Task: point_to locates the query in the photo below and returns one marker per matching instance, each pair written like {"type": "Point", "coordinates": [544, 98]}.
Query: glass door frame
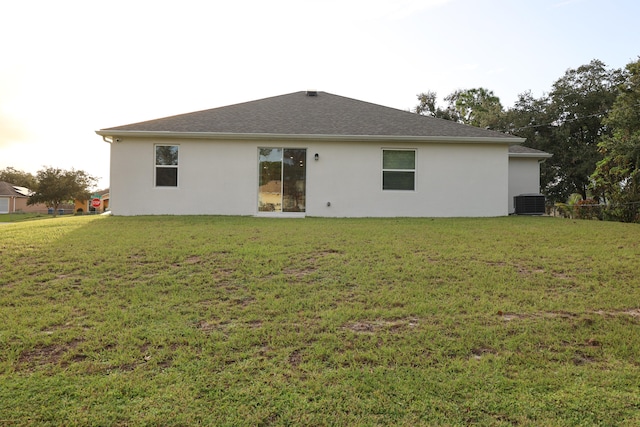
{"type": "Point", "coordinates": [291, 181]}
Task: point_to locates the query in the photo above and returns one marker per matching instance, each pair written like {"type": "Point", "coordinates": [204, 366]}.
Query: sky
{"type": "Point", "coordinates": [71, 67]}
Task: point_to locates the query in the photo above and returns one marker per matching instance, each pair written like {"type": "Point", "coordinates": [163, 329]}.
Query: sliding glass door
{"type": "Point", "coordinates": [282, 184]}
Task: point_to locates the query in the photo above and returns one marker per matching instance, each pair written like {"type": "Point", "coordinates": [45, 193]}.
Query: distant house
{"type": "Point", "coordinates": [84, 206]}
{"type": "Point", "coordinates": [317, 154]}
{"type": "Point", "coordinates": [14, 198]}
{"type": "Point", "coordinates": [9, 198]}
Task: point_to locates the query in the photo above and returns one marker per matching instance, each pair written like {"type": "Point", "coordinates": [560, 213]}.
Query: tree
{"type": "Point", "coordinates": [617, 175]}
{"type": "Point", "coordinates": [578, 103]}
{"type": "Point", "coordinates": [56, 186]}
{"type": "Point", "coordinates": [476, 107]}
{"type": "Point", "coordinates": [530, 118]}
{"type": "Point", "coordinates": [427, 107]}
{"type": "Point", "coordinates": [568, 123]}
{"type": "Point", "coordinates": [18, 177]}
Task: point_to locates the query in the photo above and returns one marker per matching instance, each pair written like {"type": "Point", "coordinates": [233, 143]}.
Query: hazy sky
{"type": "Point", "coordinates": [70, 67]}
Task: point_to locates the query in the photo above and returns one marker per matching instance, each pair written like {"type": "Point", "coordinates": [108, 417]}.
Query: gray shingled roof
{"type": "Point", "coordinates": [299, 114]}
{"type": "Point", "coordinates": [519, 150]}
{"type": "Point", "coordinates": [7, 189]}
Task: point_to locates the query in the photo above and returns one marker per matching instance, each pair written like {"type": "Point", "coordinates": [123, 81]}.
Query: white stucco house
{"type": "Point", "coordinates": [317, 154]}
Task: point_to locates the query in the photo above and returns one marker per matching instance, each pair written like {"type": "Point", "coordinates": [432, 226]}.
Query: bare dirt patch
{"type": "Point", "coordinates": [222, 273]}
{"type": "Point", "coordinates": [480, 352]}
{"type": "Point", "coordinates": [299, 272]}
{"type": "Point", "coordinates": [43, 355]}
{"type": "Point", "coordinates": [561, 275]}
{"type": "Point", "coordinates": [191, 260]}
{"type": "Point", "coordinates": [496, 263]}
{"type": "Point", "coordinates": [382, 325]}
{"type": "Point", "coordinates": [542, 315]}
{"type": "Point", "coordinates": [582, 359]}
{"type": "Point", "coordinates": [205, 326]}
{"type": "Point", "coordinates": [635, 313]}
{"type": "Point", "coordinates": [311, 264]}
{"type": "Point", "coordinates": [295, 358]}
{"type": "Point", "coordinates": [527, 271]}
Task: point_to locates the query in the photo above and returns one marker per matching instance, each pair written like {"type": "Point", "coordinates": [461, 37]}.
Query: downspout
{"type": "Point", "coordinates": [108, 140]}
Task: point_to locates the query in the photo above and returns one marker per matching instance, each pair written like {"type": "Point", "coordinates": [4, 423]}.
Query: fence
{"type": "Point", "coordinates": [49, 211]}
{"type": "Point", "coordinates": [586, 209]}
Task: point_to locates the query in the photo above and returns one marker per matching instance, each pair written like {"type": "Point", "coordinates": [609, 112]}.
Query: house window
{"type": "Point", "coordinates": [399, 170]}
{"type": "Point", "coordinates": [166, 165]}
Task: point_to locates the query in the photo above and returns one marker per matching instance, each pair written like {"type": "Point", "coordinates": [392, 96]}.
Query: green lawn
{"type": "Point", "coordinates": [255, 321]}
{"type": "Point", "coordinates": [18, 217]}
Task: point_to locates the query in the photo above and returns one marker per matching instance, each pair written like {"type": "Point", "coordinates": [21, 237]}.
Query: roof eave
{"type": "Point", "coordinates": [317, 137]}
{"type": "Point", "coordinates": [532, 155]}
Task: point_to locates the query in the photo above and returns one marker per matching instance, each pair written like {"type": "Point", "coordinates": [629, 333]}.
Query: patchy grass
{"type": "Point", "coordinates": [255, 321]}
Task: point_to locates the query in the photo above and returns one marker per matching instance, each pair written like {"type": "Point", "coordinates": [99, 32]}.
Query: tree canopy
{"type": "Point", "coordinates": [578, 104]}
{"type": "Point", "coordinates": [476, 107]}
{"type": "Point", "coordinates": [18, 177]}
{"type": "Point", "coordinates": [56, 186]}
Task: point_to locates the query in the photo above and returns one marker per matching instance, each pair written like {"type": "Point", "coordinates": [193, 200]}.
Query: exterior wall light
{"type": "Point", "coordinates": [316, 156]}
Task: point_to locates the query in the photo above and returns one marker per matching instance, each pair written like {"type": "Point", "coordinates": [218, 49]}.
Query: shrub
{"type": "Point", "coordinates": [588, 209]}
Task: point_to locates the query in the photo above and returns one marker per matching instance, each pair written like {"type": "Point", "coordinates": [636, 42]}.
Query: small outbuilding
{"type": "Point", "coordinates": [524, 180]}
{"type": "Point", "coordinates": [317, 154]}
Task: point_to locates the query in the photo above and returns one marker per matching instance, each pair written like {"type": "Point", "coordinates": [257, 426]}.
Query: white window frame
{"type": "Point", "coordinates": [414, 170]}
{"type": "Point", "coordinates": [156, 166]}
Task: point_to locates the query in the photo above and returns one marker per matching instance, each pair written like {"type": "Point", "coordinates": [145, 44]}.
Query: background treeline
{"type": "Point", "coordinates": [589, 121]}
